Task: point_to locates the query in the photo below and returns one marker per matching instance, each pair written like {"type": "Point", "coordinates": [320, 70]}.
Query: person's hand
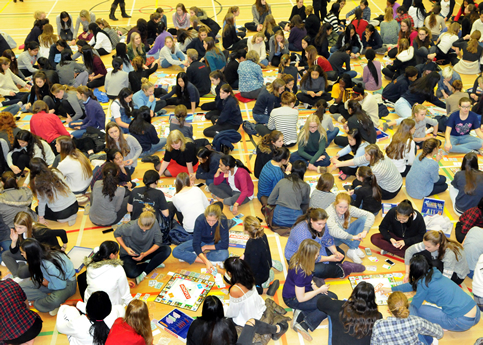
{"type": "Point", "coordinates": [323, 289]}
{"type": "Point", "coordinates": [151, 98]}
{"type": "Point", "coordinates": [363, 234]}
{"type": "Point", "coordinates": [448, 147]}
{"type": "Point", "coordinates": [132, 284]}
{"type": "Point", "coordinates": [42, 220]}
{"type": "Point", "coordinates": [13, 235]}
{"type": "Point", "coordinates": [69, 119]}
{"type": "Point", "coordinates": [399, 244]}
{"type": "Point", "coordinates": [131, 252]}
{"type": "Point", "coordinates": [90, 77]}
{"type": "Point", "coordinates": [128, 185]}
{"type": "Point", "coordinates": [70, 303]}
{"type": "Point", "coordinates": [192, 179]}
{"type": "Point", "coordinates": [27, 106]}
{"type": "Point", "coordinates": [12, 93]}
{"type": "Point", "coordinates": [339, 256]}
{"type": "Point", "coordinates": [77, 127]}
{"type": "Point", "coordinates": [357, 237]}
{"type": "Point", "coordinates": [209, 267]}
{"type": "Point", "coordinates": [321, 158]}
{"type": "Point", "coordinates": [406, 279]}
{"type": "Point", "coordinates": [312, 167]}
{"type": "Point", "coordinates": [51, 111]}
{"type": "Point", "coordinates": [439, 155]}
{"type": "Point", "coordinates": [431, 56]}
{"type": "Point", "coordinates": [333, 258]}
{"type": "Point", "coordinates": [15, 169]}
{"type": "Point", "coordinates": [474, 96]}
{"type": "Point", "coordinates": [64, 247]}
{"type": "Point", "coordinates": [288, 168]}
{"type": "Point", "coordinates": [281, 45]}
{"type": "Point", "coordinates": [311, 93]}
{"type": "Point", "coordinates": [318, 94]}
{"type": "Point", "coordinates": [139, 257]}
{"type": "Point", "coordinates": [259, 27]}
{"type": "Point", "coordinates": [350, 192]}
{"type": "Point", "coordinates": [128, 162]}
{"type": "Point", "coordinates": [385, 290]}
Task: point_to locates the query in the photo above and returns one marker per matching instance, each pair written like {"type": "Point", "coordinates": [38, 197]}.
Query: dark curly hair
{"type": "Point", "coordinates": [32, 140]}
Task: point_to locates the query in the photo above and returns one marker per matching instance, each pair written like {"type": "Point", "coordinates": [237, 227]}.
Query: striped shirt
{"type": "Point", "coordinates": [332, 19]}
{"type": "Point", "coordinates": [269, 177]}
{"type": "Point", "coordinates": [284, 119]}
{"type": "Point", "coordinates": [388, 177]}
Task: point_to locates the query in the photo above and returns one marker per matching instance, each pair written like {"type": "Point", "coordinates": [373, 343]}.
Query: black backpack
{"type": "Point", "coordinates": [249, 128]}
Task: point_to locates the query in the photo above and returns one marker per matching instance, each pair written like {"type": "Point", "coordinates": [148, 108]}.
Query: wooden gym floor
{"type": "Point", "coordinates": [17, 19]}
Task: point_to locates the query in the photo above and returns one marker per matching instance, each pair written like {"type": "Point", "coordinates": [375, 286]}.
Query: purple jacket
{"type": "Point", "coordinates": [159, 42]}
{"type": "Point", "coordinates": [95, 116]}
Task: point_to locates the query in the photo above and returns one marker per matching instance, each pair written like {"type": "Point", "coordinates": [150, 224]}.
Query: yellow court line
{"type": "Point", "coordinates": [445, 208]}
{"type": "Point", "coordinates": [8, 3]}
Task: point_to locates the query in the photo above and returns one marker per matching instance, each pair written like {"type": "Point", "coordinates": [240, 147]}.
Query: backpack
{"type": "Point", "coordinates": [249, 128]}
{"type": "Point", "coordinates": [101, 96]}
{"type": "Point", "coordinates": [383, 112]}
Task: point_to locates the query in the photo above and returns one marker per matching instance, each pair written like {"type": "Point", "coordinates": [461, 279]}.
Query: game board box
{"type": "Point", "coordinates": [185, 291]}
{"type": "Point", "coordinates": [386, 207]}
{"type": "Point", "coordinates": [77, 255]}
{"type": "Point", "coordinates": [176, 323]}
{"type": "Point", "coordinates": [432, 207]}
{"type": "Point", "coordinates": [238, 239]}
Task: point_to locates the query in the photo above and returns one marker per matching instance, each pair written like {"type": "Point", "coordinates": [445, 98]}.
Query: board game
{"type": "Point", "coordinates": [186, 292]}
{"type": "Point", "coordinates": [378, 281]}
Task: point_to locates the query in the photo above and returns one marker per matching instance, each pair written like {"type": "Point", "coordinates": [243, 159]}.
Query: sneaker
{"type": "Point", "coordinates": [303, 329]}
{"type": "Point", "coordinates": [53, 312]}
{"type": "Point", "coordinates": [283, 329]}
{"type": "Point", "coordinates": [384, 252]}
{"type": "Point", "coordinates": [296, 313]}
{"type": "Point", "coordinates": [161, 266]}
{"type": "Point", "coordinates": [161, 112]}
{"type": "Point", "coordinates": [207, 189]}
{"type": "Point", "coordinates": [17, 280]}
{"type": "Point", "coordinates": [352, 254]}
{"type": "Point", "coordinates": [140, 278]}
{"type": "Point", "coordinates": [81, 198]}
{"type": "Point", "coordinates": [277, 265]}
{"type": "Point", "coordinates": [273, 288]}
{"type": "Point", "coordinates": [350, 267]}
{"type": "Point", "coordinates": [306, 105]}
{"type": "Point", "coordinates": [99, 156]}
{"type": "Point", "coordinates": [360, 253]}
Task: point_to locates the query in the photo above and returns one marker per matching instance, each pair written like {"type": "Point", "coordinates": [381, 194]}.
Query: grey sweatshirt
{"type": "Point", "coordinates": [60, 202]}
{"type": "Point", "coordinates": [103, 210]}
{"type": "Point", "coordinates": [283, 194]}
{"type": "Point", "coordinates": [67, 72]}
{"type": "Point", "coordinates": [137, 239]}
{"type": "Point", "coordinates": [135, 149]}
{"type": "Point", "coordinates": [115, 82]}
{"type": "Point", "coordinates": [75, 103]}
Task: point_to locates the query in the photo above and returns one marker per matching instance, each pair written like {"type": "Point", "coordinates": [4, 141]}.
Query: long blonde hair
{"type": "Point", "coordinates": [136, 50]}
{"type": "Point", "coordinates": [305, 132]}
{"type": "Point", "coordinates": [175, 137]}
{"type": "Point", "coordinates": [47, 38]}
{"type": "Point", "coordinates": [401, 142]}
{"type": "Point", "coordinates": [253, 227]}
{"type": "Point", "coordinates": [347, 198]}
{"type": "Point", "coordinates": [67, 148]}
{"type": "Point", "coordinates": [215, 210]}
{"type": "Point", "coordinates": [304, 257]}
{"type": "Point", "coordinates": [388, 14]}
{"type": "Point", "coordinates": [137, 316]}
{"type": "Point", "coordinates": [147, 217]}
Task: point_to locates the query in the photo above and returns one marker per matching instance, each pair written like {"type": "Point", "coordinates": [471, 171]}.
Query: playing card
{"type": "Point", "coordinates": [158, 286]}
{"type": "Point", "coordinates": [373, 259]}
{"type": "Point", "coordinates": [371, 268]}
{"type": "Point", "coordinates": [145, 297]}
{"type": "Point", "coordinates": [386, 266]}
{"type": "Point", "coordinates": [137, 295]}
{"type": "Point", "coordinates": [154, 275]}
{"type": "Point", "coordinates": [152, 283]}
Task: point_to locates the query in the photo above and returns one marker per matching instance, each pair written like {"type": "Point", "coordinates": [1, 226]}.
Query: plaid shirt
{"type": "Point", "coordinates": [15, 318]}
{"type": "Point", "coordinates": [394, 331]}
{"type": "Point", "coordinates": [400, 18]}
{"type": "Point", "coordinates": [472, 217]}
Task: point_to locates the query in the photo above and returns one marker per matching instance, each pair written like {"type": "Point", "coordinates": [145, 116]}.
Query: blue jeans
{"type": "Point", "coordinates": [331, 135]}
{"type": "Point", "coordinates": [351, 73]}
{"type": "Point", "coordinates": [154, 148]}
{"type": "Point", "coordinates": [465, 143]}
{"type": "Point", "coordinates": [176, 56]}
{"type": "Point", "coordinates": [186, 252]}
{"type": "Point", "coordinates": [263, 119]}
{"type": "Point", "coordinates": [78, 132]}
{"type": "Point", "coordinates": [355, 228]}
{"type": "Point", "coordinates": [313, 316]}
{"type": "Point", "coordinates": [436, 315]}
{"type": "Point", "coordinates": [5, 245]}
{"type": "Point", "coordinates": [322, 163]}
{"type": "Point", "coordinates": [403, 109]}
{"type": "Point", "coordinates": [284, 216]}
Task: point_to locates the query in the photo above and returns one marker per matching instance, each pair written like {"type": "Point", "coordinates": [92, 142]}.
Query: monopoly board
{"type": "Point", "coordinates": [185, 292]}
{"type": "Point", "coordinates": [379, 281]}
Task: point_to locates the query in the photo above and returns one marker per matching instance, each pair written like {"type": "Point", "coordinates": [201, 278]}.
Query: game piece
{"type": "Point", "coordinates": [386, 266]}
{"type": "Point", "coordinates": [176, 323]}
{"type": "Point", "coordinates": [373, 259]}
{"type": "Point", "coordinates": [368, 251]}
{"type": "Point", "coordinates": [379, 281]}
{"type": "Point", "coordinates": [184, 292]}
{"type": "Point", "coordinates": [156, 332]}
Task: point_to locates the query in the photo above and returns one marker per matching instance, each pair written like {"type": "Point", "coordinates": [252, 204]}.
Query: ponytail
{"type": "Point", "coordinates": [84, 90]}
{"type": "Point", "coordinates": [105, 250]}
{"type": "Point", "coordinates": [110, 180]}
{"type": "Point", "coordinates": [181, 112]}
{"type": "Point", "coordinates": [231, 162]}
{"type": "Point", "coordinates": [369, 178]}
{"type": "Point", "coordinates": [428, 147]}
{"type": "Point", "coordinates": [116, 65]}
{"type": "Point", "coordinates": [283, 62]}
{"type": "Point", "coordinates": [371, 55]}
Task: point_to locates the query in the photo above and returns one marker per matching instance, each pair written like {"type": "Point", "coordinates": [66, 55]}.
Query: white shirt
{"type": "Point", "coordinates": [418, 18]}
{"type": "Point", "coordinates": [444, 8]}
{"type": "Point", "coordinates": [191, 204]}
{"type": "Point", "coordinates": [101, 41]}
{"type": "Point", "coordinates": [74, 174]}
{"type": "Point", "coordinates": [408, 157]}
{"type": "Point", "coordinates": [447, 40]}
{"type": "Point", "coordinates": [371, 107]}
{"type": "Point", "coordinates": [77, 326]}
{"type": "Point", "coordinates": [250, 305]}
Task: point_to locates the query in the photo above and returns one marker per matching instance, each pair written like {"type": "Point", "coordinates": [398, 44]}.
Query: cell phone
{"type": "Point", "coordinates": [368, 251]}
{"type": "Point", "coordinates": [390, 262]}
{"type": "Point", "coordinates": [347, 187]}
{"type": "Point", "coordinates": [199, 185]}
{"type": "Point", "coordinates": [107, 230]}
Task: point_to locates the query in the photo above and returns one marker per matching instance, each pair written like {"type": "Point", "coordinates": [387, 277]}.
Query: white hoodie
{"type": "Point", "coordinates": [478, 278]}
{"type": "Point", "coordinates": [108, 276]}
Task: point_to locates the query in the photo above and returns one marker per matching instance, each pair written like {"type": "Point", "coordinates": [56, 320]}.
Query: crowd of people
{"type": "Point", "coordinates": [72, 157]}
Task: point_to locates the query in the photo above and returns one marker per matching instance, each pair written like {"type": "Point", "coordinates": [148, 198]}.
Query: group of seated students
{"type": "Point", "coordinates": [58, 165]}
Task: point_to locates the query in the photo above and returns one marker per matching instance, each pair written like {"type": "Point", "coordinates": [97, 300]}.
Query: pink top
{"type": "Point", "coordinates": [243, 182]}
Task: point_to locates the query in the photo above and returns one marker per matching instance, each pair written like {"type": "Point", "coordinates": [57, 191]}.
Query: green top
{"type": "Point", "coordinates": [314, 148]}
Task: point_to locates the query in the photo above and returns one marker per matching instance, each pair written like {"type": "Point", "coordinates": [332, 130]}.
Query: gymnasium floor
{"type": "Point", "coordinates": [17, 19]}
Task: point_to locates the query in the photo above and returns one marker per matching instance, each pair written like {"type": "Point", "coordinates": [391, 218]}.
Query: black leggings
{"type": "Point", "coordinates": [304, 98]}
{"type": "Point", "coordinates": [211, 131]}
{"type": "Point", "coordinates": [385, 195]}
{"type": "Point", "coordinates": [178, 101]}
{"type": "Point", "coordinates": [64, 214]}
{"type": "Point", "coordinates": [97, 82]}
{"type": "Point", "coordinates": [251, 26]}
{"type": "Point", "coordinates": [102, 52]}
{"type": "Point", "coordinates": [21, 160]}
{"type": "Point", "coordinates": [248, 332]}
{"type": "Point", "coordinates": [347, 170]}
{"type": "Point", "coordinates": [339, 109]}
{"type": "Point", "coordinates": [9, 100]}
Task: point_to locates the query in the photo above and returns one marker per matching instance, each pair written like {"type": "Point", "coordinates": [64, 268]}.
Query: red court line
{"type": "Point", "coordinates": [85, 229]}
{"type": "Point", "coordinates": [388, 256]}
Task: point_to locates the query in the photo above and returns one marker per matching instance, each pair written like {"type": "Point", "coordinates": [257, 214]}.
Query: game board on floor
{"type": "Point", "coordinates": [379, 281]}
{"type": "Point", "coordinates": [186, 292]}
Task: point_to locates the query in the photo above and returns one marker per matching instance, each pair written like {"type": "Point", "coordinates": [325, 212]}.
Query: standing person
{"type": "Point", "coordinates": [300, 291]}
{"type": "Point", "coordinates": [53, 278]}
{"type": "Point", "coordinates": [288, 209]}
{"type": "Point", "coordinates": [232, 183]}
{"type": "Point", "coordinates": [260, 10]}
{"type": "Point", "coordinates": [180, 156]}
{"type": "Point", "coordinates": [312, 144]}
{"type": "Point", "coordinates": [466, 189]}
{"type": "Point", "coordinates": [210, 235]}
{"type": "Point", "coordinates": [400, 228]}
{"type": "Point", "coordinates": [404, 327]}
{"type": "Point", "coordinates": [141, 240]}
{"type": "Point", "coordinates": [108, 199]}
{"type": "Point", "coordinates": [56, 200]}
{"type": "Point", "coordinates": [458, 128]}
{"type": "Point", "coordinates": [22, 325]}
{"type": "Point", "coordinates": [455, 310]}
{"type": "Point", "coordinates": [352, 320]}
{"type": "Point", "coordinates": [134, 328]}
{"type": "Point", "coordinates": [89, 322]}
{"type": "Point", "coordinates": [122, 5]}
{"type": "Point", "coordinates": [75, 167]}
{"type": "Point", "coordinates": [343, 231]}
{"type": "Point", "coordinates": [423, 178]}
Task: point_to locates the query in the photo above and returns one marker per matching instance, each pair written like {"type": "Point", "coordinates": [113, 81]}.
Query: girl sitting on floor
{"type": "Point", "coordinates": [134, 328]}
{"type": "Point", "coordinates": [366, 192]}
{"type": "Point", "coordinates": [322, 196]}
{"type": "Point", "coordinates": [180, 156]}
{"type": "Point", "coordinates": [356, 148]}
{"type": "Point", "coordinates": [265, 149]}
{"type": "Point", "coordinates": [402, 149]}
{"type": "Point", "coordinates": [272, 173]}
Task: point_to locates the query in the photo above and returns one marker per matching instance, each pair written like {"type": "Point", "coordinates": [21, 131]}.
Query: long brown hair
{"type": "Point", "coordinates": [304, 257]}
{"type": "Point", "coordinates": [375, 152]}
{"type": "Point", "coordinates": [261, 8]}
{"type": "Point", "coordinates": [215, 210]}
{"type": "Point", "coordinates": [347, 198]}
{"type": "Point", "coordinates": [314, 214]}
{"type": "Point", "coordinates": [432, 17]}
{"type": "Point", "coordinates": [111, 143]}
{"type": "Point", "coordinates": [7, 124]}
{"type": "Point", "coordinates": [369, 178]}
{"type": "Point", "coordinates": [472, 46]}
{"type": "Point", "coordinates": [406, 34]}
{"type": "Point", "coordinates": [325, 183]}
{"type": "Point", "coordinates": [45, 181]}
{"type": "Point", "coordinates": [312, 53]}
{"type": "Point", "coordinates": [182, 180]}
{"type": "Point", "coordinates": [401, 142]}
{"type": "Point", "coordinates": [266, 144]}
{"type": "Point", "coordinates": [472, 172]}
{"type": "Point", "coordinates": [428, 147]}
{"type": "Point", "coordinates": [137, 316]}
{"type": "Point", "coordinates": [438, 237]}
{"type": "Point", "coordinates": [68, 148]}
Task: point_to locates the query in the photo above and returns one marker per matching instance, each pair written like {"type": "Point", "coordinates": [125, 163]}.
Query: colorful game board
{"type": "Point", "coordinates": [186, 292]}
{"type": "Point", "coordinates": [379, 281]}
{"type": "Point", "coordinates": [176, 323]}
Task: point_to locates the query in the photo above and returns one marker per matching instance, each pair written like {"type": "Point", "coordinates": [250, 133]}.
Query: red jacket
{"type": "Point", "coordinates": [243, 182]}
{"type": "Point", "coordinates": [324, 64]}
{"type": "Point", "coordinates": [47, 126]}
{"type": "Point", "coordinates": [123, 334]}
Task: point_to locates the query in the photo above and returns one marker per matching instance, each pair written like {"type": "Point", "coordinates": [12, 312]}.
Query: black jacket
{"type": "Point", "coordinates": [412, 231]}
{"type": "Point", "coordinates": [199, 75]}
